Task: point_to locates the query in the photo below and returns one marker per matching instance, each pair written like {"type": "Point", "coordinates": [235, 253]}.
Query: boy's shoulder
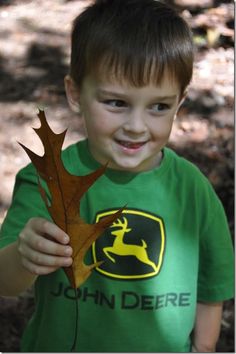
{"type": "Point", "coordinates": [188, 174]}
{"type": "Point", "coordinates": [69, 155]}
{"type": "Point", "coordinates": [181, 163]}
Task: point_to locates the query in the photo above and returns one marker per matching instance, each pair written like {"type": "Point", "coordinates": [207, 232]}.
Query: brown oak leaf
{"type": "Point", "coordinates": [66, 191]}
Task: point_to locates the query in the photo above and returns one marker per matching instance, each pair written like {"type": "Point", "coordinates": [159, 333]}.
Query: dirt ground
{"type": "Point", "coordinates": [34, 56]}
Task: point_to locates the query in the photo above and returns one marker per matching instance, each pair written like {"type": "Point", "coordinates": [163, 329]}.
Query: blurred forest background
{"type": "Point", "coordinates": [34, 57]}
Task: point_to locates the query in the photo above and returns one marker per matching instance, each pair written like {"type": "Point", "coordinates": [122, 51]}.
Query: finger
{"type": "Point", "coordinates": [45, 227]}
{"type": "Point", "coordinates": [44, 258]}
{"type": "Point", "coordinates": [30, 240]}
{"type": "Point", "coordinates": [36, 268]}
{"type": "Point", "coordinates": [42, 244]}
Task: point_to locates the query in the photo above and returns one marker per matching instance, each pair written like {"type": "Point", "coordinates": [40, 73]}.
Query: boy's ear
{"type": "Point", "coordinates": [182, 98]}
{"type": "Point", "coordinates": [72, 94]}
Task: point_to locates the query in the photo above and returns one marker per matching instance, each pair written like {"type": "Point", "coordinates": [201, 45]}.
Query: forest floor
{"type": "Point", "coordinates": [34, 57]}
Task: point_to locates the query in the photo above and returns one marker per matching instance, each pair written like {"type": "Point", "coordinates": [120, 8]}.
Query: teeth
{"type": "Point", "coordinates": [126, 143]}
{"type": "Point", "coordinates": [129, 144]}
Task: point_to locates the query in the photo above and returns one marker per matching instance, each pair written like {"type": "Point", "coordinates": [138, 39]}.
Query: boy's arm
{"type": "Point", "coordinates": [41, 248]}
{"type": "Point", "coordinates": [14, 278]}
{"type": "Point", "coordinates": [207, 327]}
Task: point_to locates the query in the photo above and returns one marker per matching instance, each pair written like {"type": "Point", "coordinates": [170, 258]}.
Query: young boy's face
{"type": "Point", "coordinates": [127, 126]}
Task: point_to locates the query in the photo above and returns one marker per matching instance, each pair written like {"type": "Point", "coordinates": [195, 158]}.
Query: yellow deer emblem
{"type": "Point", "coordinates": [123, 249]}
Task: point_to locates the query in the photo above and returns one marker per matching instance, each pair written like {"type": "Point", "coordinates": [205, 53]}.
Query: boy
{"type": "Point", "coordinates": [168, 260]}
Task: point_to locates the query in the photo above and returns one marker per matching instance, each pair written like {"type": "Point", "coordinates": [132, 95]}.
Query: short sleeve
{"type": "Point", "coordinates": [26, 203]}
{"type": "Point", "coordinates": [216, 258]}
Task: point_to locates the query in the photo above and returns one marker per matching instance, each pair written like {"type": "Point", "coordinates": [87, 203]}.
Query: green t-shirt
{"type": "Point", "coordinates": [170, 248]}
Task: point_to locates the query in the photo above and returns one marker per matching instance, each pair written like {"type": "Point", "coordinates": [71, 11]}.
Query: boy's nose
{"type": "Point", "coordinates": [135, 122]}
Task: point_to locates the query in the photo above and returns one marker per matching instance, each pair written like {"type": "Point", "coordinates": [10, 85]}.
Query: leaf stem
{"type": "Point", "coordinates": [75, 339]}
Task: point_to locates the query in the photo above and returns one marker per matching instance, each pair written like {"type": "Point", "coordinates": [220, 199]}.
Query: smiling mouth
{"type": "Point", "coordinates": [130, 145]}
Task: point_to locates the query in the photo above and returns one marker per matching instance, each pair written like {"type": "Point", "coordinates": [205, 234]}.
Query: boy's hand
{"type": "Point", "coordinates": [43, 247]}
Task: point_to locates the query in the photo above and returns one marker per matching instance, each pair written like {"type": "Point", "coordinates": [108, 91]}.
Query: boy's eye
{"type": "Point", "coordinates": [160, 107]}
{"type": "Point", "coordinates": [115, 103]}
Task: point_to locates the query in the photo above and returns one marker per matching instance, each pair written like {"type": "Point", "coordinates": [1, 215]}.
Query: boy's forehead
{"type": "Point", "coordinates": [104, 77]}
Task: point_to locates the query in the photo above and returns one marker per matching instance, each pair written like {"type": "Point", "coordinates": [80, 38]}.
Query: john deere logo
{"type": "Point", "coordinates": [132, 247]}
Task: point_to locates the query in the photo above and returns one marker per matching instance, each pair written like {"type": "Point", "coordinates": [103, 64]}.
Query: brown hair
{"type": "Point", "coordinates": [137, 40]}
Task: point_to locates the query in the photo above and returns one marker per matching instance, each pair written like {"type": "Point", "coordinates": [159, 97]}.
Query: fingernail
{"type": "Point", "coordinates": [66, 239]}
{"type": "Point", "coordinates": [68, 251]}
{"type": "Point", "coordinates": [68, 262]}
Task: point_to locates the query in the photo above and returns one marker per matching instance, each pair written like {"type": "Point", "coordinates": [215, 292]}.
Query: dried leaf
{"type": "Point", "coordinates": [66, 191]}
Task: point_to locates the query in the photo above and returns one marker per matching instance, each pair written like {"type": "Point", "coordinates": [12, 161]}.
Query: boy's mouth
{"type": "Point", "coordinates": [131, 145]}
